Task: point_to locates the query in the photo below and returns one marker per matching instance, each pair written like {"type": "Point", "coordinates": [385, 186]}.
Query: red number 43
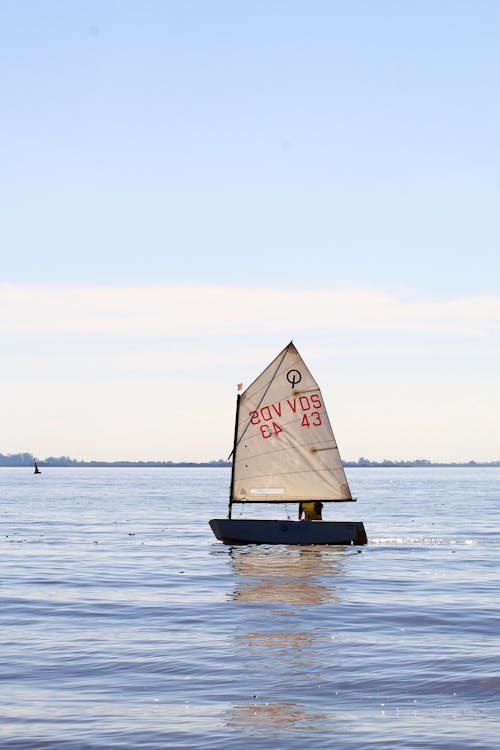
{"type": "Point", "coordinates": [267, 432]}
{"type": "Point", "coordinates": [313, 421]}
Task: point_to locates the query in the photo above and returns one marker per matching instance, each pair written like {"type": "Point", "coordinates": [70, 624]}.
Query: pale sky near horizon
{"type": "Point", "coordinates": [186, 187]}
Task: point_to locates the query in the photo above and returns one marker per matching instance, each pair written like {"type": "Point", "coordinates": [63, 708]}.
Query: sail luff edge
{"type": "Point", "coordinates": [231, 489]}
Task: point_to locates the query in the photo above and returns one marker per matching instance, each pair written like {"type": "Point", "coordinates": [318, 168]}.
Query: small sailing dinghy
{"type": "Point", "coordinates": [37, 470]}
{"type": "Point", "coordinates": [285, 452]}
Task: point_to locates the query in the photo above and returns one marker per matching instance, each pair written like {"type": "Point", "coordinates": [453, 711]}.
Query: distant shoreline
{"type": "Point", "coordinates": [27, 459]}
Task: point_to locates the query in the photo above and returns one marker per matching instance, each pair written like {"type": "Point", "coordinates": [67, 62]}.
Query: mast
{"type": "Point", "coordinates": [234, 454]}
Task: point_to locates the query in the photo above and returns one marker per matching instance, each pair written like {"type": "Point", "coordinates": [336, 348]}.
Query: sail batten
{"type": "Point", "coordinates": [319, 446]}
{"type": "Point", "coordinates": [284, 447]}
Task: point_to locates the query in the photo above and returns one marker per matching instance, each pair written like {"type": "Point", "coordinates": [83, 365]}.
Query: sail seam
{"type": "Point", "coordinates": [288, 473]}
{"type": "Point", "coordinates": [296, 447]}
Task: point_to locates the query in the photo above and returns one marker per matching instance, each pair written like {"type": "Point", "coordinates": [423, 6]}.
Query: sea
{"type": "Point", "coordinates": [124, 623]}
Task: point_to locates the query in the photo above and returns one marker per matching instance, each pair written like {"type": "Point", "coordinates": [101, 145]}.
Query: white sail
{"type": "Point", "coordinates": [285, 449]}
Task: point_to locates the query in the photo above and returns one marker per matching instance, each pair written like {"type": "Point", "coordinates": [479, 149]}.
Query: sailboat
{"type": "Point", "coordinates": [285, 452]}
{"type": "Point", "coordinates": [37, 470]}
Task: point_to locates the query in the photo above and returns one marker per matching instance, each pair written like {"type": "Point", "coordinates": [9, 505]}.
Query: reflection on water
{"type": "Point", "coordinates": [287, 575]}
{"type": "Point", "coordinates": [280, 643]}
{"type": "Point", "coordinates": [295, 580]}
{"type": "Point", "coordinates": [267, 719]}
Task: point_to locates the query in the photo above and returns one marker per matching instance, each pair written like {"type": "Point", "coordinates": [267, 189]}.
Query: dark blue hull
{"type": "Point", "coordinates": [247, 531]}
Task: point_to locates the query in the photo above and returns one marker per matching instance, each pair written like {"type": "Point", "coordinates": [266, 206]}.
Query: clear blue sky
{"type": "Point", "coordinates": [273, 147]}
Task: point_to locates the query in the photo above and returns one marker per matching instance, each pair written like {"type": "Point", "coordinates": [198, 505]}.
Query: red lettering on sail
{"type": "Point", "coordinates": [266, 431]}
{"type": "Point", "coordinates": [316, 401]}
{"type": "Point", "coordinates": [304, 403]}
{"type": "Point", "coordinates": [312, 420]}
{"type": "Point", "coordinates": [265, 413]}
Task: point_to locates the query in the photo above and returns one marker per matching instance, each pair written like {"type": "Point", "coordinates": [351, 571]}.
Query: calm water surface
{"type": "Point", "coordinates": [125, 624]}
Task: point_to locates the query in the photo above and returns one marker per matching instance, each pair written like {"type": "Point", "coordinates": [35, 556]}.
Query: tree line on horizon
{"type": "Point", "coordinates": [27, 459]}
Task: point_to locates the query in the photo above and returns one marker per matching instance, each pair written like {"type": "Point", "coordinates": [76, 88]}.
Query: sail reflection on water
{"type": "Point", "coordinates": [295, 575]}
{"type": "Point", "coordinates": [266, 719]}
{"type": "Point", "coordinates": [283, 641]}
